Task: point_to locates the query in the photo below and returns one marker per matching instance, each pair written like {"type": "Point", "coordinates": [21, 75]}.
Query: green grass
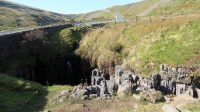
{"type": "Point", "coordinates": [144, 46]}
{"type": "Point", "coordinates": [95, 16]}
{"type": "Point", "coordinates": [179, 7]}
{"type": "Point", "coordinates": [128, 104]}
{"type": "Point", "coordinates": [16, 94]}
{"type": "Point", "coordinates": [176, 46]}
{"type": "Point", "coordinates": [194, 107]}
{"type": "Point", "coordinates": [130, 11]}
{"type": "Point", "coordinates": [149, 107]}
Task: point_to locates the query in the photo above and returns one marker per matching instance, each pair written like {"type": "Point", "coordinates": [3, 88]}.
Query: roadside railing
{"type": "Point", "coordinates": [6, 29]}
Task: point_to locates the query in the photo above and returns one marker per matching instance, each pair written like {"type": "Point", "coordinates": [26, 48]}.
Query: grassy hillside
{"type": "Point", "coordinates": [178, 7]}
{"type": "Point", "coordinates": [193, 107]}
{"type": "Point", "coordinates": [16, 94]}
{"type": "Point", "coordinates": [15, 15]}
{"type": "Point", "coordinates": [145, 45]}
{"type": "Point", "coordinates": [129, 11]}
{"type": "Point", "coordinates": [145, 8]}
{"type": "Point", "coordinates": [95, 16]}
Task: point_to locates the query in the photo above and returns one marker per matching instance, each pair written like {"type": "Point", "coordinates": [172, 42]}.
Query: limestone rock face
{"type": "Point", "coordinates": [112, 86]}
{"type": "Point", "coordinates": [169, 80]}
{"type": "Point", "coordinates": [80, 92]}
{"type": "Point", "coordinates": [198, 92]}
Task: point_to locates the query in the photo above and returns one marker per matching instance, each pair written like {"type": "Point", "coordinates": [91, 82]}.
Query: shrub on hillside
{"type": "Point", "coordinates": [152, 96]}
{"type": "Point", "coordinates": [116, 47]}
{"type": "Point", "coordinates": [34, 35]}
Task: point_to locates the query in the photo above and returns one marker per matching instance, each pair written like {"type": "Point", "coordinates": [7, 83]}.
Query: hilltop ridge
{"type": "Point", "coordinates": [16, 16]}
{"type": "Point", "coordinates": [145, 8]}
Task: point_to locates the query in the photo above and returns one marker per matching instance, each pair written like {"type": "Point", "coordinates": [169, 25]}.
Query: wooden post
{"type": "Point", "coordinates": [150, 20]}
{"type": "Point", "coordinates": [136, 19]}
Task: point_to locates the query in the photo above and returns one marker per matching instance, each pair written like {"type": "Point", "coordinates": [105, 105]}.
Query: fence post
{"type": "Point", "coordinates": [150, 19]}
{"type": "Point", "coordinates": [136, 19]}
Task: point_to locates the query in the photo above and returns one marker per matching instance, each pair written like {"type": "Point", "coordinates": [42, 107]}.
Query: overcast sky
{"type": "Point", "coordinates": [73, 6]}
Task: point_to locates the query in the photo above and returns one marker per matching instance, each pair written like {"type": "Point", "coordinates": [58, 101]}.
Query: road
{"type": "Point", "coordinates": [7, 32]}
{"type": "Point", "coordinates": [118, 18]}
{"type": "Point", "coordinates": [75, 24]}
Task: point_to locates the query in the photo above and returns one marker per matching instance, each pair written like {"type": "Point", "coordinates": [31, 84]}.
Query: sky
{"type": "Point", "coordinates": [73, 6]}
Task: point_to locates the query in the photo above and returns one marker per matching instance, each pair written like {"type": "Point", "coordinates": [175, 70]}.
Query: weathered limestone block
{"type": "Point", "coordinates": [98, 80]}
{"type": "Point", "coordinates": [135, 78]}
{"type": "Point", "coordinates": [126, 79]}
{"type": "Point", "coordinates": [184, 80]}
{"type": "Point", "coordinates": [75, 88]}
{"type": "Point", "coordinates": [112, 86]}
{"type": "Point", "coordinates": [189, 91]}
{"type": "Point", "coordinates": [180, 89]}
{"type": "Point", "coordinates": [162, 67]}
{"type": "Point", "coordinates": [174, 80]}
{"type": "Point", "coordinates": [103, 89]}
{"type": "Point", "coordinates": [118, 71]}
{"type": "Point", "coordinates": [156, 80]}
{"type": "Point", "coordinates": [174, 69]}
{"type": "Point", "coordinates": [145, 83]}
{"type": "Point", "coordinates": [198, 93]}
{"type": "Point", "coordinates": [96, 77]}
{"type": "Point", "coordinates": [94, 90]}
{"type": "Point", "coordinates": [80, 93]}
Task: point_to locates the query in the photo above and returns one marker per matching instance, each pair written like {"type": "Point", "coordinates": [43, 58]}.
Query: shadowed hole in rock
{"type": "Point", "coordinates": [44, 56]}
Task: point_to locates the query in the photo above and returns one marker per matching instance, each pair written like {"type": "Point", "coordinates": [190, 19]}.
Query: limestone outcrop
{"type": "Point", "coordinates": [169, 80]}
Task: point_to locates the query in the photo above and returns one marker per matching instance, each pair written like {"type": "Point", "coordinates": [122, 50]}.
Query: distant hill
{"type": "Point", "coordinates": [15, 15]}
{"type": "Point", "coordinates": [145, 8]}
{"type": "Point", "coordinates": [128, 11]}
